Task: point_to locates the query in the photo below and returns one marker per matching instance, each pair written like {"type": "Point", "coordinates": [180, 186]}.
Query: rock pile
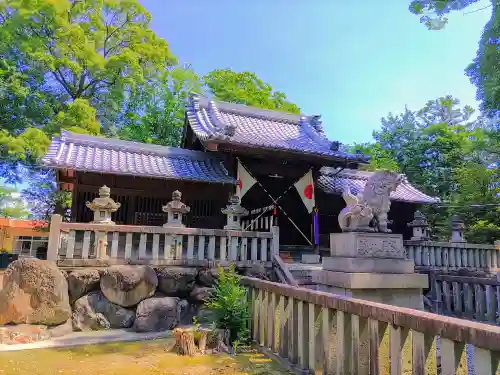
{"type": "Point", "coordinates": [39, 301]}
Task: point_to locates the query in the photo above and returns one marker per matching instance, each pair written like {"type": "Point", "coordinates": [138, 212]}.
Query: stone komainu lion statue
{"type": "Point", "coordinates": [370, 206]}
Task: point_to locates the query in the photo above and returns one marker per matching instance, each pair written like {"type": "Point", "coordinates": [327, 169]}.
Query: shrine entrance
{"type": "Point", "coordinates": [277, 181]}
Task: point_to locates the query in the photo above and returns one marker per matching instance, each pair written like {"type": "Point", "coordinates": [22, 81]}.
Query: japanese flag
{"type": "Point", "coordinates": [305, 187]}
{"type": "Point", "coordinates": [244, 181]}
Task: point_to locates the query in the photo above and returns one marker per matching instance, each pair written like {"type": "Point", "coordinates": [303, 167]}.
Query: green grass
{"type": "Point", "coordinates": [144, 358]}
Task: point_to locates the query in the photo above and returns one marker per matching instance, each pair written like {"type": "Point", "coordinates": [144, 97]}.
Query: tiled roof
{"type": "Point", "coordinates": [236, 124]}
{"type": "Point", "coordinates": [104, 155]}
{"type": "Point", "coordinates": [333, 183]}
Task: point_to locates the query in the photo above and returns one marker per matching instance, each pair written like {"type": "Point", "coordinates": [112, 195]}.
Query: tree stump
{"type": "Point", "coordinates": [184, 342]}
{"type": "Point", "coordinates": [202, 344]}
{"type": "Point", "coordinates": [222, 341]}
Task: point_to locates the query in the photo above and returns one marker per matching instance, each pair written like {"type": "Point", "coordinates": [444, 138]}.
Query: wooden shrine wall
{"type": "Point", "coordinates": [142, 199]}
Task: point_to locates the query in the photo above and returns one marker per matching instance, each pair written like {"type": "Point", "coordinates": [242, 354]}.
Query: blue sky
{"type": "Point", "coordinates": [351, 62]}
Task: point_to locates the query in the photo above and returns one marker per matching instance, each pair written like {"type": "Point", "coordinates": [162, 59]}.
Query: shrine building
{"type": "Point", "coordinates": [266, 157]}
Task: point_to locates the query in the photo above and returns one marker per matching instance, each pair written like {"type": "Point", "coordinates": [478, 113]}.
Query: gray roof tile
{"type": "Point", "coordinates": [237, 124]}
{"type": "Point", "coordinates": [333, 183]}
{"type": "Point", "coordinates": [104, 155]}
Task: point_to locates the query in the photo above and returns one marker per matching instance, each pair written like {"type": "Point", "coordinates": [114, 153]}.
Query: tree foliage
{"type": "Point", "coordinates": [433, 12]}
{"type": "Point", "coordinates": [229, 304]}
{"type": "Point", "coordinates": [246, 88]}
{"type": "Point", "coordinates": [446, 155]}
{"type": "Point", "coordinates": [483, 72]}
{"type": "Point", "coordinates": [11, 206]}
{"type": "Point", "coordinates": [92, 50]}
{"type": "Point", "coordinates": [155, 113]}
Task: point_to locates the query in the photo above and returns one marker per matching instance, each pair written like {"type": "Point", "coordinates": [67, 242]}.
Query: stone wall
{"type": "Point", "coordinates": [39, 300]}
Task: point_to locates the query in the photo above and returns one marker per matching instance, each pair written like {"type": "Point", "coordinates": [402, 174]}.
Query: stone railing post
{"type": "Point", "coordinates": [496, 253]}
{"type": "Point", "coordinates": [54, 237]}
{"type": "Point", "coordinates": [275, 247]}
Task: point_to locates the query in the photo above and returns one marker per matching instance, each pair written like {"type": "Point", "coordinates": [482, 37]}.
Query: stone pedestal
{"type": "Point", "coordinates": [310, 258]}
{"type": "Point", "coordinates": [371, 266]}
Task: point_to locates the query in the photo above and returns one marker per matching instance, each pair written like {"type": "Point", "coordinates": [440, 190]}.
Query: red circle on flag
{"type": "Point", "coordinates": [308, 191]}
{"type": "Point", "coordinates": [239, 184]}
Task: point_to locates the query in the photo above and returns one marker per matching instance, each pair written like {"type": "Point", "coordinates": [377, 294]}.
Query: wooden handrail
{"type": "Point", "coordinates": [477, 334]}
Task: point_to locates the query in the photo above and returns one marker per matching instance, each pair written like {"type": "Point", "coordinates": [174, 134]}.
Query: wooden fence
{"type": "Point", "coordinates": [466, 297]}
{"type": "Point", "coordinates": [315, 331]}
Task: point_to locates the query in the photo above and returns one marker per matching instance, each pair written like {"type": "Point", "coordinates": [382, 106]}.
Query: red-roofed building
{"type": "Point", "coordinates": [24, 237]}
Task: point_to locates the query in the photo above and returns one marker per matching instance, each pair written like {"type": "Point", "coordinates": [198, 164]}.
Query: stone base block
{"type": "Point", "coordinates": [311, 258]}
{"type": "Point", "coordinates": [410, 298]}
{"type": "Point", "coordinates": [376, 265]}
{"type": "Point", "coordinates": [368, 245]}
{"type": "Point", "coordinates": [358, 280]}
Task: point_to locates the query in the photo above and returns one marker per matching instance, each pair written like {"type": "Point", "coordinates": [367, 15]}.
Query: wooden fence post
{"type": "Point", "coordinates": [54, 236]}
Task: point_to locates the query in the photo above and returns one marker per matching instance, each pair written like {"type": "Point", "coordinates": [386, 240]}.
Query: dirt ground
{"type": "Point", "coordinates": [144, 358]}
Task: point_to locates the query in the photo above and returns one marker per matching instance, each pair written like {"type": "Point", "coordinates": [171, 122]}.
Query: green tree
{"type": "Point", "coordinates": [10, 205]}
{"type": "Point", "coordinates": [93, 50]}
{"type": "Point", "coordinates": [478, 201]}
{"type": "Point", "coordinates": [433, 12]}
{"type": "Point", "coordinates": [79, 117]}
{"type": "Point", "coordinates": [246, 88]}
{"type": "Point", "coordinates": [380, 158]}
{"type": "Point", "coordinates": [155, 113]}
{"type": "Point", "coordinates": [70, 64]}
{"type": "Point", "coordinates": [446, 155]}
{"type": "Point", "coordinates": [483, 72]}
{"type": "Point", "coordinates": [43, 196]}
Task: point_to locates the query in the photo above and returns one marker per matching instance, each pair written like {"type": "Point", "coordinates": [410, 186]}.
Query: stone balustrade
{"type": "Point", "coordinates": [316, 331]}
{"type": "Point", "coordinates": [466, 297]}
{"type": "Point", "coordinates": [76, 243]}
{"type": "Point", "coordinates": [449, 256]}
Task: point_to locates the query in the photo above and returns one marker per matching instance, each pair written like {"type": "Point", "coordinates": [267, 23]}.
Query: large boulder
{"type": "Point", "coordinates": [200, 294]}
{"type": "Point", "coordinates": [157, 314]}
{"type": "Point", "coordinates": [128, 285]}
{"type": "Point", "coordinates": [177, 281]}
{"type": "Point", "coordinates": [208, 276]}
{"type": "Point", "coordinates": [34, 292]}
{"type": "Point", "coordinates": [94, 312]}
{"type": "Point", "coordinates": [255, 270]}
{"type": "Point", "coordinates": [81, 282]}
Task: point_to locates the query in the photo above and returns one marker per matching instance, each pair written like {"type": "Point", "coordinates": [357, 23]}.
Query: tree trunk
{"type": "Point", "coordinates": [184, 341]}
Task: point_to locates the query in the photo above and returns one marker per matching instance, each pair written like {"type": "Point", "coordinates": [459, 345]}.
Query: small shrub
{"type": "Point", "coordinates": [230, 305]}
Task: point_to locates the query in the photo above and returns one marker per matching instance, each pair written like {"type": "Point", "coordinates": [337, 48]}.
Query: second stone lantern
{"type": "Point", "coordinates": [175, 210]}
{"type": "Point", "coordinates": [234, 212]}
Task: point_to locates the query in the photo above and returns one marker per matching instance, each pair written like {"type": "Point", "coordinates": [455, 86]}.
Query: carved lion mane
{"type": "Point", "coordinates": [378, 189]}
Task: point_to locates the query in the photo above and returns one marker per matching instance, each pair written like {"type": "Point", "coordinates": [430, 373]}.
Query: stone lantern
{"type": "Point", "coordinates": [457, 229]}
{"type": "Point", "coordinates": [234, 212]}
{"type": "Point", "coordinates": [103, 207]}
{"type": "Point", "coordinates": [420, 227]}
{"type": "Point", "coordinates": [175, 210]}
